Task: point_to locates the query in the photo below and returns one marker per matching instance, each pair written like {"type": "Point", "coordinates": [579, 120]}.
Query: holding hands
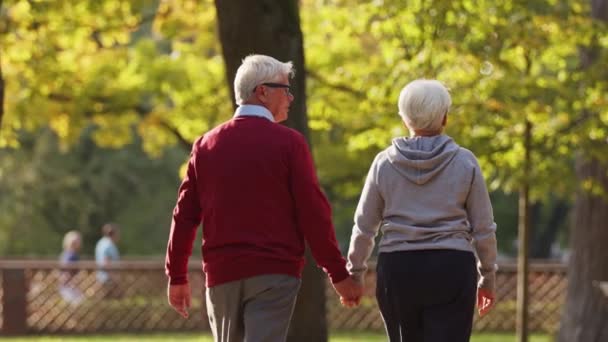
{"type": "Point", "coordinates": [350, 291]}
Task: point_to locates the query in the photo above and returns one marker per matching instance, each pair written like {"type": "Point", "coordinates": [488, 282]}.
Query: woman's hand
{"type": "Point", "coordinates": [485, 301]}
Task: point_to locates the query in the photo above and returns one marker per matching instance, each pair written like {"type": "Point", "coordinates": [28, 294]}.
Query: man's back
{"type": "Point", "coordinates": [244, 177]}
{"type": "Point", "coordinates": [243, 170]}
{"type": "Point", "coordinates": [244, 167]}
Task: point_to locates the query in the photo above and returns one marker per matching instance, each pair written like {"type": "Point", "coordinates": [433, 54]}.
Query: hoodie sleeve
{"type": "Point", "coordinates": [368, 217]}
{"type": "Point", "coordinates": [481, 218]}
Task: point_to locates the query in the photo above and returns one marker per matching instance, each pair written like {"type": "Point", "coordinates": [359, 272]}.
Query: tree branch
{"type": "Point", "coordinates": [340, 87]}
{"type": "Point", "coordinates": [586, 115]}
{"type": "Point", "coordinates": [183, 142]}
{"type": "Point", "coordinates": [96, 31]}
{"type": "Point", "coordinates": [142, 110]}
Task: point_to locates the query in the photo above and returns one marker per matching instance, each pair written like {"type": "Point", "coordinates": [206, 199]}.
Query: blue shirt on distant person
{"type": "Point", "coordinates": [105, 251]}
{"type": "Point", "coordinates": [68, 257]}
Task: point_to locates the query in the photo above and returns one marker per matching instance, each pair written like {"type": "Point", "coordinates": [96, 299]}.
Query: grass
{"type": "Point", "coordinates": [335, 337]}
{"type": "Point", "coordinates": [486, 337]}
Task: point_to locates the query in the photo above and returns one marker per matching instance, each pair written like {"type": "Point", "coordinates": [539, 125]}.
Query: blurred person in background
{"type": "Point", "coordinates": [72, 242]}
{"type": "Point", "coordinates": [106, 253]}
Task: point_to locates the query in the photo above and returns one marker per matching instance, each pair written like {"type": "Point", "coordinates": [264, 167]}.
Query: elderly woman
{"type": "Point", "coordinates": [428, 197]}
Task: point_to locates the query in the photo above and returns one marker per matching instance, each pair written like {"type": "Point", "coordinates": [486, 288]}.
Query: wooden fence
{"type": "Point", "coordinates": [42, 297]}
{"type": "Point", "coordinates": [547, 286]}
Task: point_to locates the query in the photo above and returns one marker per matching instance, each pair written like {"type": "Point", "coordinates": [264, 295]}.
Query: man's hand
{"type": "Point", "coordinates": [350, 292]}
{"type": "Point", "coordinates": [485, 301]}
{"type": "Point", "coordinates": [179, 298]}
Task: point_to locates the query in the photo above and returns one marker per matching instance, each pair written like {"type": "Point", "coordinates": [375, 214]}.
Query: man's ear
{"type": "Point", "coordinates": [445, 119]}
{"type": "Point", "coordinates": [260, 93]}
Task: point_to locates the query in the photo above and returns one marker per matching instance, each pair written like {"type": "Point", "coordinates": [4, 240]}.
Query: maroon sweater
{"type": "Point", "coordinates": [252, 185]}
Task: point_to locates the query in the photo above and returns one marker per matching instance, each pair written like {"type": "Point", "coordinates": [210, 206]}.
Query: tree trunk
{"type": "Point", "coordinates": [268, 27]}
{"type": "Point", "coordinates": [586, 310]}
{"type": "Point", "coordinates": [272, 27]}
{"type": "Point", "coordinates": [523, 237]}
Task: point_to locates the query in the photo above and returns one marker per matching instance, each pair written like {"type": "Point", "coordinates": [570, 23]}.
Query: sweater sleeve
{"type": "Point", "coordinates": [313, 213]}
{"type": "Point", "coordinates": [368, 217]}
{"type": "Point", "coordinates": [481, 218]}
{"type": "Point", "coordinates": [186, 219]}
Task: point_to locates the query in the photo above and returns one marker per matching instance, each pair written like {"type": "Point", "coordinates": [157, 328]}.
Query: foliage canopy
{"type": "Point", "coordinates": [150, 73]}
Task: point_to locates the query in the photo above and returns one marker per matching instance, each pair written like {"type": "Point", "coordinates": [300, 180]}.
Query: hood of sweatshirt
{"type": "Point", "coordinates": [420, 159]}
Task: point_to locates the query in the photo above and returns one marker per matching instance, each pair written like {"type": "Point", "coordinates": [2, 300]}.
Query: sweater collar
{"type": "Point", "coordinates": [253, 110]}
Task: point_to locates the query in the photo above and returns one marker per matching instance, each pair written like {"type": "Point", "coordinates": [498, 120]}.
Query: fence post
{"type": "Point", "coordinates": [14, 302]}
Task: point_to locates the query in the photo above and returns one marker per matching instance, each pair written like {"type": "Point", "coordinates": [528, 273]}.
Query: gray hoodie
{"type": "Point", "coordinates": [425, 193]}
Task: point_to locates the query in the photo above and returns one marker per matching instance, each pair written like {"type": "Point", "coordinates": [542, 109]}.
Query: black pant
{"type": "Point", "coordinates": [427, 296]}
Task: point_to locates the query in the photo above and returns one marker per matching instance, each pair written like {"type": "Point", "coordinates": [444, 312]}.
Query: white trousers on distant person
{"type": "Point", "coordinates": [256, 309]}
{"type": "Point", "coordinates": [71, 294]}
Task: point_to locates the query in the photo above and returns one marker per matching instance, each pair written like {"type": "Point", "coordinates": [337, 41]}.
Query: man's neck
{"type": "Point", "coordinates": [254, 102]}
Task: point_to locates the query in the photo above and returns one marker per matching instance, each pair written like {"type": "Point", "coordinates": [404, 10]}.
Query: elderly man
{"type": "Point", "coordinates": [429, 198]}
{"type": "Point", "coordinates": [251, 183]}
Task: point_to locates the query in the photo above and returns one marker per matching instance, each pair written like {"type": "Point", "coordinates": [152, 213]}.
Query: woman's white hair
{"type": "Point", "coordinates": [255, 70]}
{"type": "Point", "coordinates": [423, 104]}
{"type": "Point", "coordinates": [70, 238]}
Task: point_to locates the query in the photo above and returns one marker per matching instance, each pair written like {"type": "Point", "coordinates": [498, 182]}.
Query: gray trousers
{"type": "Point", "coordinates": [256, 309]}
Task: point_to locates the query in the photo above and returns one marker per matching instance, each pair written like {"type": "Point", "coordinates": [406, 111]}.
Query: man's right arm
{"type": "Point", "coordinates": [186, 218]}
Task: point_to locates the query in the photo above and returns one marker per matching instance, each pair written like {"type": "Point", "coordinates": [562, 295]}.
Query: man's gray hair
{"type": "Point", "coordinates": [423, 104]}
{"type": "Point", "coordinates": [255, 70]}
